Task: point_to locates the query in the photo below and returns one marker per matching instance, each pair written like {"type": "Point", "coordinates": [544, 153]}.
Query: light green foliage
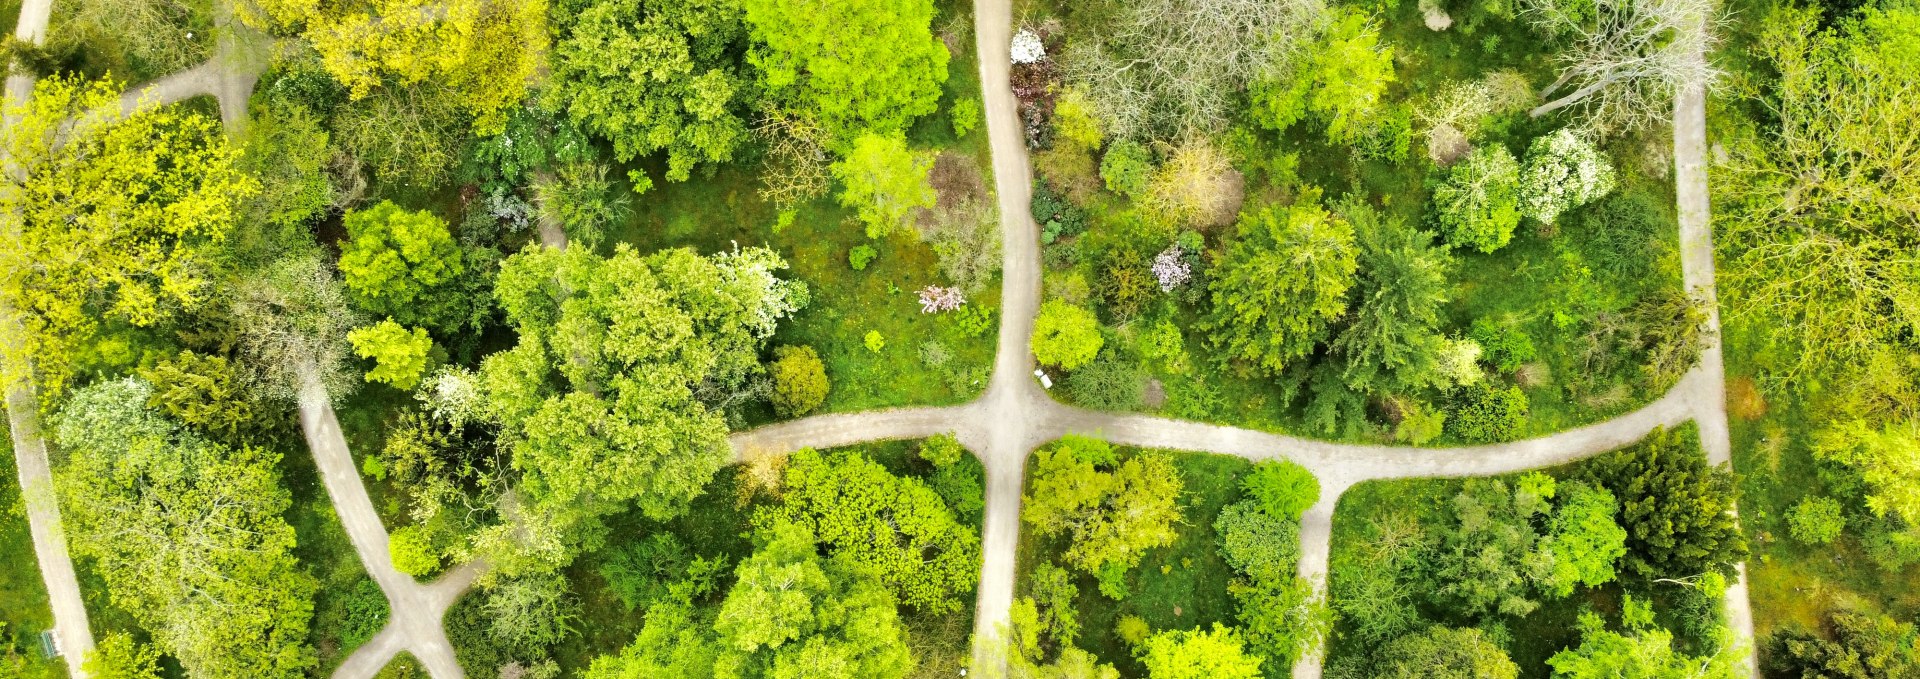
{"type": "Point", "coordinates": [1132, 629]}
{"type": "Point", "coordinates": [1583, 539]}
{"type": "Point", "coordinates": [1479, 204]}
{"type": "Point", "coordinates": [1815, 209]}
{"type": "Point", "coordinates": [186, 533]}
{"type": "Point", "coordinates": [1497, 519]}
{"type": "Point", "coordinates": [875, 341]}
{"type": "Point", "coordinates": [1283, 488]}
{"type": "Point", "coordinates": [1341, 80]}
{"type": "Point", "coordinates": [1219, 653]}
{"type": "Point", "coordinates": [1392, 342]}
{"type": "Point", "coordinates": [1279, 287]}
{"type": "Point", "coordinates": [850, 66]}
{"type": "Point", "coordinates": [1855, 646]}
{"type": "Point", "coordinates": [1678, 511]}
{"type": "Point", "coordinates": [1256, 543]}
{"type": "Point", "coordinates": [672, 645]}
{"type": "Point", "coordinates": [1886, 457]}
{"type": "Point", "coordinates": [481, 52]}
{"type": "Point", "coordinates": [1065, 335]}
{"type": "Point", "coordinates": [1563, 171]}
{"type": "Point", "coordinates": [654, 76]}
{"type": "Point", "coordinates": [399, 354]}
{"type": "Point", "coordinates": [531, 613]}
{"type": "Point", "coordinates": [1817, 520]}
{"type": "Point", "coordinates": [942, 450]}
{"type": "Point", "coordinates": [1444, 653]}
{"type": "Point", "coordinates": [792, 614]}
{"type": "Point", "coordinates": [966, 115]}
{"type": "Point", "coordinates": [578, 197]}
{"type": "Point", "coordinates": [896, 527]}
{"type": "Point", "coordinates": [1074, 124]}
{"type": "Point", "coordinates": [403, 265]}
{"type": "Point", "coordinates": [659, 570]}
{"type": "Point", "coordinates": [406, 136]}
{"type": "Point", "coordinates": [1053, 593]}
{"type": "Point", "coordinates": [285, 148]}
{"type": "Point", "coordinates": [1282, 619]}
{"type": "Point", "coordinates": [1644, 652]}
{"type": "Point", "coordinates": [120, 221]}
{"type": "Point", "coordinates": [884, 181]}
{"type": "Point", "coordinates": [1113, 511]}
{"type": "Point", "coordinates": [597, 397]}
{"type": "Point", "coordinates": [413, 551]}
{"type": "Point", "coordinates": [118, 656]}
{"type": "Point", "coordinates": [1369, 580]}
{"type": "Point", "coordinates": [1483, 413]}
{"type": "Point", "coordinates": [1419, 422]}
{"type": "Point", "coordinates": [1127, 167]}
{"type": "Point", "coordinates": [1023, 653]}
{"type": "Point", "coordinates": [860, 256]}
{"type": "Point", "coordinates": [204, 392]}
{"type": "Point", "coordinates": [1504, 344]}
{"type": "Point", "coordinates": [799, 380]}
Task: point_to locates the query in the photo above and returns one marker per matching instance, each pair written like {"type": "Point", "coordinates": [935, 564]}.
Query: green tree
{"type": "Point", "coordinates": [942, 450]}
{"type": "Point", "coordinates": [403, 265]}
{"type": "Point", "coordinates": [121, 220]}
{"type": "Point", "coordinates": [671, 645]}
{"type": "Point", "coordinates": [1583, 538]}
{"type": "Point", "coordinates": [1065, 335]}
{"type": "Point", "coordinates": [1887, 458]}
{"type": "Point", "coordinates": [1341, 80]}
{"type": "Point", "coordinates": [1490, 559]}
{"type": "Point", "coordinates": [187, 534]}
{"type": "Point", "coordinates": [853, 67]}
{"type": "Point", "coordinates": [1112, 510]}
{"type": "Point", "coordinates": [1444, 653]}
{"type": "Point", "coordinates": [655, 76]}
{"type": "Point", "coordinates": [205, 392]}
{"type": "Point", "coordinates": [1817, 520]}
{"type": "Point", "coordinates": [399, 354]}
{"type": "Point", "coordinates": [1053, 592]}
{"type": "Point", "coordinates": [1219, 653]}
{"type": "Point", "coordinates": [1283, 488]}
{"type": "Point", "coordinates": [1678, 511]}
{"type": "Point", "coordinates": [1563, 171]}
{"type": "Point", "coordinates": [1482, 413]}
{"type": "Point", "coordinates": [1392, 342]}
{"type": "Point", "coordinates": [1256, 543]}
{"type": "Point", "coordinates": [1282, 619]}
{"type": "Point", "coordinates": [118, 656]}
{"type": "Point", "coordinates": [1279, 287]}
{"type": "Point", "coordinates": [799, 380]}
{"type": "Point", "coordinates": [898, 528]}
{"type": "Point", "coordinates": [1127, 168]}
{"type": "Point", "coordinates": [792, 614]}
{"type": "Point", "coordinates": [1479, 204]}
{"type": "Point", "coordinates": [884, 181]}
{"type": "Point", "coordinates": [1855, 646]}
{"type": "Point", "coordinates": [597, 398]}
{"type": "Point", "coordinates": [1644, 652]}
{"type": "Point", "coordinates": [285, 149]}
{"type": "Point", "coordinates": [413, 552]}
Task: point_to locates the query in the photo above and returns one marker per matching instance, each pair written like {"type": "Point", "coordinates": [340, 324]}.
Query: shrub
{"type": "Point", "coordinates": [1058, 218]}
{"type": "Point", "coordinates": [403, 264]}
{"type": "Point", "coordinates": [1817, 520]}
{"type": "Point", "coordinates": [1256, 543]}
{"type": "Point", "coordinates": [579, 198]}
{"type": "Point", "coordinates": [1419, 422]}
{"type": "Point", "coordinates": [1132, 629]}
{"type": "Point", "coordinates": [962, 486]}
{"type": "Point", "coordinates": [366, 609]}
{"type": "Point", "coordinates": [933, 354]}
{"type": "Point", "coordinates": [1074, 121]}
{"type": "Point", "coordinates": [399, 354]}
{"type": "Point", "coordinates": [1505, 345]}
{"type": "Point", "coordinates": [1477, 203]}
{"type": "Point", "coordinates": [884, 182]}
{"type": "Point", "coordinates": [860, 256]}
{"type": "Point", "coordinates": [966, 115]}
{"type": "Point", "coordinates": [1065, 335]}
{"type": "Point", "coordinates": [1108, 383]}
{"type": "Point", "coordinates": [799, 380]}
{"type": "Point", "coordinates": [1283, 488]}
{"type": "Point", "coordinates": [942, 450]}
{"type": "Point", "coordinates": [875, 341]}
{"type": "Point", "coordinates": [413, 551]}
{"type": "Point", "coordinates": [972, 321]}
{"type": "Point", "coordinates": [1861, 646]}
{"type": "Point", "coordinates": [1563, 171]}
{"type": "Point", "coordinates": [1126, 167]}
{"type": "Point", "coordinates": [1484, 414]}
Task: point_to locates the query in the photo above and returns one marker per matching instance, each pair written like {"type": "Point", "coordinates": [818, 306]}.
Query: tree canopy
{"type": "Point", "coordinates": [404, 265]}
{"type": "Point", "coordinates": [1065, 335]}
{"type": "Point", "coordinates": [1392, 343]}
{"type": "Point", "coordinates": [1113, 510]}
{"type": "Point", "coordinates": [1281, 285]}
{"type": "Point", "coordinates": [1678, 511]}
{"type": "Point", "coordinates": [1443, 652]}
{"type": "Point", "coordinates": [793, 614]}
{"type": "Point", "coordinates": [1219, 653]}
{"type": "Point", "coordinates": [849, 66]}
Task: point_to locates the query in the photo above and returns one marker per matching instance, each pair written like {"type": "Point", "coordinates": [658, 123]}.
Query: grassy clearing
{"type": "Point", "coordinates": [1181, 586]}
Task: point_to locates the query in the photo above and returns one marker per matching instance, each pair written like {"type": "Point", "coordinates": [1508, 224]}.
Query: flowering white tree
{"type": "Point", "coordinates": [1027, 48]}
{"type": "Point", "coordinates": [935, 299]}
{"type": "Point", "coordinates": [1563, 171]}
{"type": "Point", "coordinates": [454, 395]}
{"type": "Point", "coordinates": [1171, 269]}
{"type": "Point", "coordinates": [751, 272]}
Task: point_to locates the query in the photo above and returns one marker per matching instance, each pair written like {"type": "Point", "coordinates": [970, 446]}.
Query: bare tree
{"type": "Point", "coordinates": [1627, 60]}
{"type": "Point", "coordinates": [796, 168]}
{"type": "Point", "coordinates": [294, 320]}
{"type": "Point", "coordinates": [1170, 66]}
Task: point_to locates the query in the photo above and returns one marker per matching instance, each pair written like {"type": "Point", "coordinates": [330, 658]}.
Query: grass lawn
{"type": "Point", "coordinates": [1180, 586]}
{"type": "Point", "coordinates": [23, 597]}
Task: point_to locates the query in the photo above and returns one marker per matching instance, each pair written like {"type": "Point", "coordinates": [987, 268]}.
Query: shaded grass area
{"type": "Point", "coordinates": [24, 611]}
{"type": "Point", "coordinates": [329, 556]}
{"type": "Point", "coordinates": [1180, 586]}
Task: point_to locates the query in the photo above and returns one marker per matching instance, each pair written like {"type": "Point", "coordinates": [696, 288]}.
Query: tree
{"type": "Point", "coordinates": [1053, 594]}
{"type": "Point", "coordinates": [187, 534]}
{"type": "Point", "coordinates": [1491, 560]}
{"type": "Point", "coordinates": [399, 354]}
{"type": "Point", "coordinates": [1482, 413]}
{"type": "Point", "coordinates": [155, 34]}
{"type": "Point", "coordinates": [531, 613]}
{"type": "Point", "coordinates": [1645, 652]}
{"type": "Point", "coordinates": [1856, 646]}
{"type": "Point", "coordinates": [597, 401]}
{"type": "Point", "coordinates": [1392, 342]}
{"type": "Point", "coordinates": [1817, 520]}
{"type": "Point", "coordinates": [1563, 171]}
{"type": "Point", "coordinates": [120, 657]}
{"type": "Point", "coordinates": [860, 67]}
{"type": "Point", "coordinates": [1815, 208]}
{"type": "Point", "coordinates": [404, 265]}
{"type": "Point", "coordinates": [407, 135]}
{"type": "Point", "coordinates": [799, 380]}
{"type": "Point", "coordinates": [1112, 510]}
{"type": "Point", "coordinates": [482, 51]}
{"type": "Point", "coordinates": [1678, 512]}
{"type": "Point", "coordinates": [204, 392]}
{"type": "Point", "coordinates": [1282, 619]}
{"type": "Point", "coordinates": [672, 645]}
{"type": "Point", "coordinates": [285, 148]}
{"type": "Point", "coordinates": [1219, 653]}
{"type": "Point", "coordinates": [1196, 187]}
{"type": "Point", "coordinates": [1340, 78]}
{"type": "Point", "coordinates": [578, 198]}
{"type": "Point", "coordinates": [792, 614]}
{"type": "Point", "coordinates": [1478, 203]}
{"type": "Point", "coordinates": [1444, 653]}
{"type": "Point", "coordinates": [1887, 459]}
{"type": "Point", "coordinates": [413, 552]}
{"type": "Point", "coordinates": [655, 76]}
{"type": "Point", "coordinates": [1583, 539]}
{"type": "Point", "coordinates": [1126, 167]}
{"type": "Point", "coordinates": [898, 528]}
{"type": "Point", "coordinates": [1627, 57]}
{"type": "Point", "coordinates": [295, 320]}
{"type": "Point", "coordinates": [1264, 547]}
{"type": "Point", "coordinates": [1283, 488]}
{"type": "Point", "coordinates": [884, 181]}
{"type": "Point", "coordinates": [1280, 286]}
{"type": "Point", "coordinates": [942, 450]}
{"type": "Point", "coordinates": [106, 218]}
{"type": "Point", "coordinates": [1065, 335]}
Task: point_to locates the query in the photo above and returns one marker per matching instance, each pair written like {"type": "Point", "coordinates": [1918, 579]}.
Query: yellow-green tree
{"type": "Point", "coordinates": [851, 66]}
{"type": "Point", "coordinates": [399, 354]}
{"type": "Point", "coordinates": [107, 218]}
